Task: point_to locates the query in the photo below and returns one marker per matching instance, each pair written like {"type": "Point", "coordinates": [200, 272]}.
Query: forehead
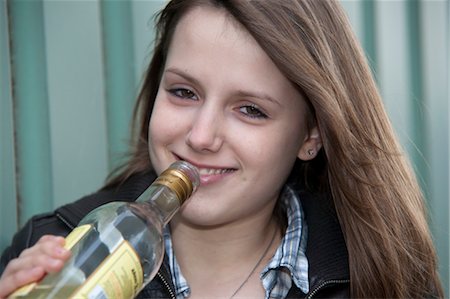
{"type": "Point", "coordinates": [213, 25]}
{"type": "Point", "coordinates": [210, 43]}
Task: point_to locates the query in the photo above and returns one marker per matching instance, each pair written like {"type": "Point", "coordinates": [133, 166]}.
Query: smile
{"type": "Point", "coordinates": [209, 175]}
{"type": "Point", "coordinates": [213, 175]}
{"type": "Point", "coordinates": [213, 171]}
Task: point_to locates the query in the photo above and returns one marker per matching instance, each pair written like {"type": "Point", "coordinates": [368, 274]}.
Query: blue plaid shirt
{"type": "Point", "coordinates": [288, 265]}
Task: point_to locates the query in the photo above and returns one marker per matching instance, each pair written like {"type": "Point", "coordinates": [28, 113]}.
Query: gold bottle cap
{"type": "Point", "coordinates": [178, 181]}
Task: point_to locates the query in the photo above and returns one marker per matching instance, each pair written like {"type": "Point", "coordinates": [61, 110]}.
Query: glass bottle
{"type": "Point", "coordinates": [118, 248]}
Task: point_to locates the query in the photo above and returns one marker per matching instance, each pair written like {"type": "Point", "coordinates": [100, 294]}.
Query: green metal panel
{"type": "Point", "coordinates": [418, 124]}
{"type": "Point", "coordinates": [354, 12]}
{"type": "Point", "coordinates": [76, 98]}
{"type": "Point", "coordinates": [31, 108]}
{"type": "Point", "coordinates": [120, 82]}
{"type": "Point", "coordinates": [370, 32]}
{"type": "Point", "coordinates": [8, 204]}
{"type": "Point", "coordinates": [392, 66]}
{"type": "Point", "coordinates": [435, 16]}
{"type": "Point", "coordinates": [143, 13]}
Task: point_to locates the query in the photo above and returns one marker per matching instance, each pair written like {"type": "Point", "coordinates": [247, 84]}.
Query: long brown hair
{"type": "Point", "coordinates": [378, 201]}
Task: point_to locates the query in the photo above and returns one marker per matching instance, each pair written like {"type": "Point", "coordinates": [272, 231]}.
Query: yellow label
{"type": "Point", "coordinates": [71, 240]}
{"type": "Point", "coordinates": [76, 235]}
{"type": "Point", "coordinates": [119, 276]}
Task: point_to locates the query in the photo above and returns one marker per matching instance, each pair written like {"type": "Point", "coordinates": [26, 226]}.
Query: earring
{"type": "Point", "coordinates": [311, 152]}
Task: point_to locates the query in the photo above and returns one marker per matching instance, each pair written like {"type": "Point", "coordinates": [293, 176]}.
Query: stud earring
{"type": "Point", "coordinates": [311, 152]}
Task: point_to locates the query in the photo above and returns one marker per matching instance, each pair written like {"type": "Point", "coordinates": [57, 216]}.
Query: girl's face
{"type": "Point", "coordinates": [224, 106]}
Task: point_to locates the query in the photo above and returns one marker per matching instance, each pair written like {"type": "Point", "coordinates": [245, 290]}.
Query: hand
{"type": "Point", "coordinates": [48, 255]}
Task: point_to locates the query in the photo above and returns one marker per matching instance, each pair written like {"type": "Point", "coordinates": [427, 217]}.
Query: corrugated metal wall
{"type": "Point", "coordinates": [70, 71]}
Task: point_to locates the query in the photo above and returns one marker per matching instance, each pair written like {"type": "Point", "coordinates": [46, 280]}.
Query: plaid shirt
{"type": "Point", "coordinates": [289, 264]}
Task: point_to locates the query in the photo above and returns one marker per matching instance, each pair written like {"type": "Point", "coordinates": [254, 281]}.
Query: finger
{"type": "Point", "coordinates": [46, 256]}
{"type": "Point", "coordinates": [51, 261]}
{"type": "Point", "coordinates": [50, 245]}
{"type": "Point", "coordinates": [55, 248]}
{"type": "Point", "coordinates": [10, 283]}
{"type": "Point", "coordinates": [49, 239]}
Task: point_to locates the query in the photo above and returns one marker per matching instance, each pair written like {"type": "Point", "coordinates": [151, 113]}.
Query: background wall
{"type": "Point", "coordinates": [70, 71]}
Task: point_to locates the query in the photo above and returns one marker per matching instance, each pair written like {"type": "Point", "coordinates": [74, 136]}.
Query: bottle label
{"type": "Point", "coordinates": [70, 241]}
{"type": "Point", "coordinates": [76, 235]}
{"type": "Point", "coordinates": [119, 276]}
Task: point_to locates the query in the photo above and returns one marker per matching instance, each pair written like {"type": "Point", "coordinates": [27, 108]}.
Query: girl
{"type": "Point", "coordinates": [305, 192]}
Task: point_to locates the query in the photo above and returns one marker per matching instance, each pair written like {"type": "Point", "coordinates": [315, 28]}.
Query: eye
{"type": "Point", "coordinates": [252, 111]}
{"type": "Point", "coordinates": [183, 93]}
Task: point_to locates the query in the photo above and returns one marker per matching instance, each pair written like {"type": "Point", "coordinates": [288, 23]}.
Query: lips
{"type": "Point", "coordinates": [209, 174]}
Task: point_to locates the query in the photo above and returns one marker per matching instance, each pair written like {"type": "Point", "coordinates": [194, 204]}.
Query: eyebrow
{"type": "Point", "coordinates": [258, 95]}
{"type": "Point", "coordinates": [183, 74]}
{"type": "Point", "coordinates": [240, 92]}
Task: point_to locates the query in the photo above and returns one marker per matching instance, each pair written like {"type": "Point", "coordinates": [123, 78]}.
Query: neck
{"type": "Point", "coordinates": [221, 257]}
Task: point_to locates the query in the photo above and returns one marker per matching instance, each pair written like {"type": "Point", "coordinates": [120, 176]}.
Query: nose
{"type": "Point", "coordinates": [205, 132]}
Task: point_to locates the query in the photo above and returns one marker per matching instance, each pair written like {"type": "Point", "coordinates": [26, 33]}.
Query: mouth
{"type": "Point", "coordinates": [214, 171]}
{"type": "Point", "coordinates": [209, 174]}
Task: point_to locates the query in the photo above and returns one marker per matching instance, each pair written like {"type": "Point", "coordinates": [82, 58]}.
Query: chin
{"type": "Point", "coordinates": [201, 215]}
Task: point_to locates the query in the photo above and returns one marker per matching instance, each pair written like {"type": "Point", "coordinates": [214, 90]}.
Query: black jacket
{"type": "Point", "coordinates": [326, 250]}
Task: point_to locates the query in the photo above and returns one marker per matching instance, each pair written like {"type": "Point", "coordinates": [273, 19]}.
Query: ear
{"type": "Point", "coordinates": [311, 145]}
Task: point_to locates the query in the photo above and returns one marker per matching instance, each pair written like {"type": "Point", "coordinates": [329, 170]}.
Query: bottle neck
{"type": "Point", "coordinates": [170, 189]}
{"type": "Point", "coordinates": [162, 200]}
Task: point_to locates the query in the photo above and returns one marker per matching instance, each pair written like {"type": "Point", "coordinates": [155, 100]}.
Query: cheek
{"type": "Point", "coordinates": [276, 151]}
{"type": "Point", "coordinates": [153, 141]}
{"type": "Point", "coordinates": [163, 123]}
{"type": "Point", "coordinates": [156, 126]}
{"type": "Point", "coordinates": [278, 155]}
{"type": "Point", "coordinates": [160, 132]}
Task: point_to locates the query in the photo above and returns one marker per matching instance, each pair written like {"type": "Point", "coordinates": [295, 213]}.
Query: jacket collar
{"type": "Point", "coordinates": [326, 250]}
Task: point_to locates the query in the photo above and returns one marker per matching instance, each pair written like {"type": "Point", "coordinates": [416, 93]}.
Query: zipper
{"type": "Point", "coordinates": [166, 284]}
{"type": "Point", "coordinates": [60, 217]}
{"type": "Point", "coordinates": [326, 284]}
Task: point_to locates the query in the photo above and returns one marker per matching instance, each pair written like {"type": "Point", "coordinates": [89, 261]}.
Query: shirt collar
{"type": "Point", "coordinates": [182, 289]}
{"type": "Point", "coordinates": [289, 264]}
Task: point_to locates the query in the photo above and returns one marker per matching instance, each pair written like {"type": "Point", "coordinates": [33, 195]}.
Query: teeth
{"type": "Point", "coordinates": [211, 171]}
